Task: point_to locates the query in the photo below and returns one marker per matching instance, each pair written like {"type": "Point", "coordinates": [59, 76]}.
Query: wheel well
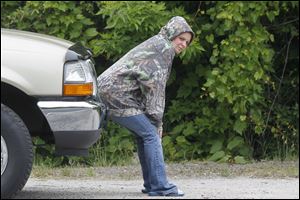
{"type": "Point", "coordinates": [26, 107]}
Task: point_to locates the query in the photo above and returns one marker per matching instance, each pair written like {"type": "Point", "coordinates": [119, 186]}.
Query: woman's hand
{"type": "Point", "coordinates": [160, 131]}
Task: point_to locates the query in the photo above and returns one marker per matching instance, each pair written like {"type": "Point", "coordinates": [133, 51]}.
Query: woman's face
{"type": "Point", "coordinates": [181, 42]}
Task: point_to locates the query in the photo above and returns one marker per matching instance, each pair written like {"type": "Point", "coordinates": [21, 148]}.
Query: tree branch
{"type": "Point", "coordinates": [198, 10]}
{"type": "Point", "coordinates": [284, 23]}
{"type": "Point", "coordinates": [281, 79]}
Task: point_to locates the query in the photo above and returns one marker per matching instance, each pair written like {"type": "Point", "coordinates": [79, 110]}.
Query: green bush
{"type": "Point", "coordinates": [232, 96]}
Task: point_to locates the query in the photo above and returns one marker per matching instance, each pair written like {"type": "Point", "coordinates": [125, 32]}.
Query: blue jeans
{"type": "Point", "coordinates": [149, 152]}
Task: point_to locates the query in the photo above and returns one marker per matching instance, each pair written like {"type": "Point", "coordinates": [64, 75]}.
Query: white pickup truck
{"type": "Point", "coordinates": [48, 89]}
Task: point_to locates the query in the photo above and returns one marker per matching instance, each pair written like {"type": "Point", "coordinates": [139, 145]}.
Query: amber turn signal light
{"type": "Point", "coordinates": [78, 89]}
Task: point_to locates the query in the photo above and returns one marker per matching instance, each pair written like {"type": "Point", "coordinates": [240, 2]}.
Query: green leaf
{"type": "Point", "coordinates": [243, 117]}
{"type": "Point", "coordinates": [239, 126]}
{"type": "Point", "coordinates": [87, 21]}
{"type": "Point", "coordinates": [206, 27]}
{"type": "Point", "coordinates": [258, 75]}
{"type": "Point", "coordinates": [209, 82]}
{"type": "Point", "coordinates": [189, 130]}
{"type": "Point", "coordinates": [76, 27]}
{"type": "Point", "coordinates": [216, 146]}
{"type": "Point", "coordinates": [221, 90]}
{"type": "Point", "coordinates": [91, 32]}
{"type": "Point", "coordinates": [272, 37]}
{"type": "Point", "coordinates": [212, 95]}
{"type": "Point", "coordinates": [178, 128]}
{"type": "Point", "coordinates": [224, 15]}
{"type": "Point", "coordinates": [167, 140]}
{"type": "Point", "coordinates": [49, 21]}
{"type": "Point", "coordinates": [236, 141]}
{"type": "Point", "coordinates": [270, 16]}
{"type": "Point", "coordinates": [181, 140]}
{"type": "Point", "coordinates": [210, 38]}
{"type": "Point", "coordinates": [224, 159]}
{"type": "Point", "coordinates": [240, 160]}
{"type": "Point", "coordinates": [216, 156]}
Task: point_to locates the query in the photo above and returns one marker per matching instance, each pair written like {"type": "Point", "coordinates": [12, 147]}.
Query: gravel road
{"type": "Point", "coordinates": [197, 188]}
{"type": "Point", "coordinates": [199, 180]}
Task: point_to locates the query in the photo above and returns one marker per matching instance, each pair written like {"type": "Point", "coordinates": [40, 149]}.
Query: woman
{"type": "Point", "coordinates": [133, 89]}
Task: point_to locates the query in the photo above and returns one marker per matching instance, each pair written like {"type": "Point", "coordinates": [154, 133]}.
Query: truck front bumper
{"type": "Point", "coordinates": [76, 125]}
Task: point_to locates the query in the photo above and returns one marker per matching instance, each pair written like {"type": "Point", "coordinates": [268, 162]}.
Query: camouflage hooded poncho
{"type": "Point", "coordinates": [136, 83]}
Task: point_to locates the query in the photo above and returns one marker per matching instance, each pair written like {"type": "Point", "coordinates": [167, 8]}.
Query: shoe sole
{"type": "Point", "coordinates": [166, 195]}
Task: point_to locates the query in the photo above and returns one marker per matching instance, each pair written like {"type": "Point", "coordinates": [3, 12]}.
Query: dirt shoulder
{"type": "Point", "coordinates": [267, 169]}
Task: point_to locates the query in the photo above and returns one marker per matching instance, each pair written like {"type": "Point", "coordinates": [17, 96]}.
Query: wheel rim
{"type": "Point", "coordinates": [4, 155]}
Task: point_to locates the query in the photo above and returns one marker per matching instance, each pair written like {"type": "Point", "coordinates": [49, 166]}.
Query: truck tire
{"type": "Point", "coordinates": [16, 153]}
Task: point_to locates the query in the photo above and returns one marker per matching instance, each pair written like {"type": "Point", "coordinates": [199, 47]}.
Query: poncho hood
{"type": "Point", "coordinates": [176, 26]}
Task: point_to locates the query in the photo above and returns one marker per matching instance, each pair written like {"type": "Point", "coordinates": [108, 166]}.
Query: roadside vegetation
{"type": "Point", "coordinates": [191, 169]}
{"type": "Point", "coordinates": [232, 97]}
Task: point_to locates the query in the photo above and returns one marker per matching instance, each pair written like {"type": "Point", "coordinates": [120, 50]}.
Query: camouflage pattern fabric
{"type": "Point", "coordinates": [136, 83]}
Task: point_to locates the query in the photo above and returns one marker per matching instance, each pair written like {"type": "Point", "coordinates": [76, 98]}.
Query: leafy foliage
{"type": "Point", "coordinates": [233, 95]}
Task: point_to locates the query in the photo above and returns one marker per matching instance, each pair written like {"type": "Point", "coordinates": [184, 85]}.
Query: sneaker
{"type": "Point", "coordinates": [179, 193]}
{"type": "Point", "coordinates": [145, 191]}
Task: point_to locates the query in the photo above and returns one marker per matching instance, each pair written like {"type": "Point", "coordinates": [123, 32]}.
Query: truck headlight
{"type": "Point", "coordinates": [79, 78]}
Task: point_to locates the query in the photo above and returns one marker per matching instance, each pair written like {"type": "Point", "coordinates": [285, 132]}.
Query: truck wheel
{"type": "Point", "coordinates": [16, 153]}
